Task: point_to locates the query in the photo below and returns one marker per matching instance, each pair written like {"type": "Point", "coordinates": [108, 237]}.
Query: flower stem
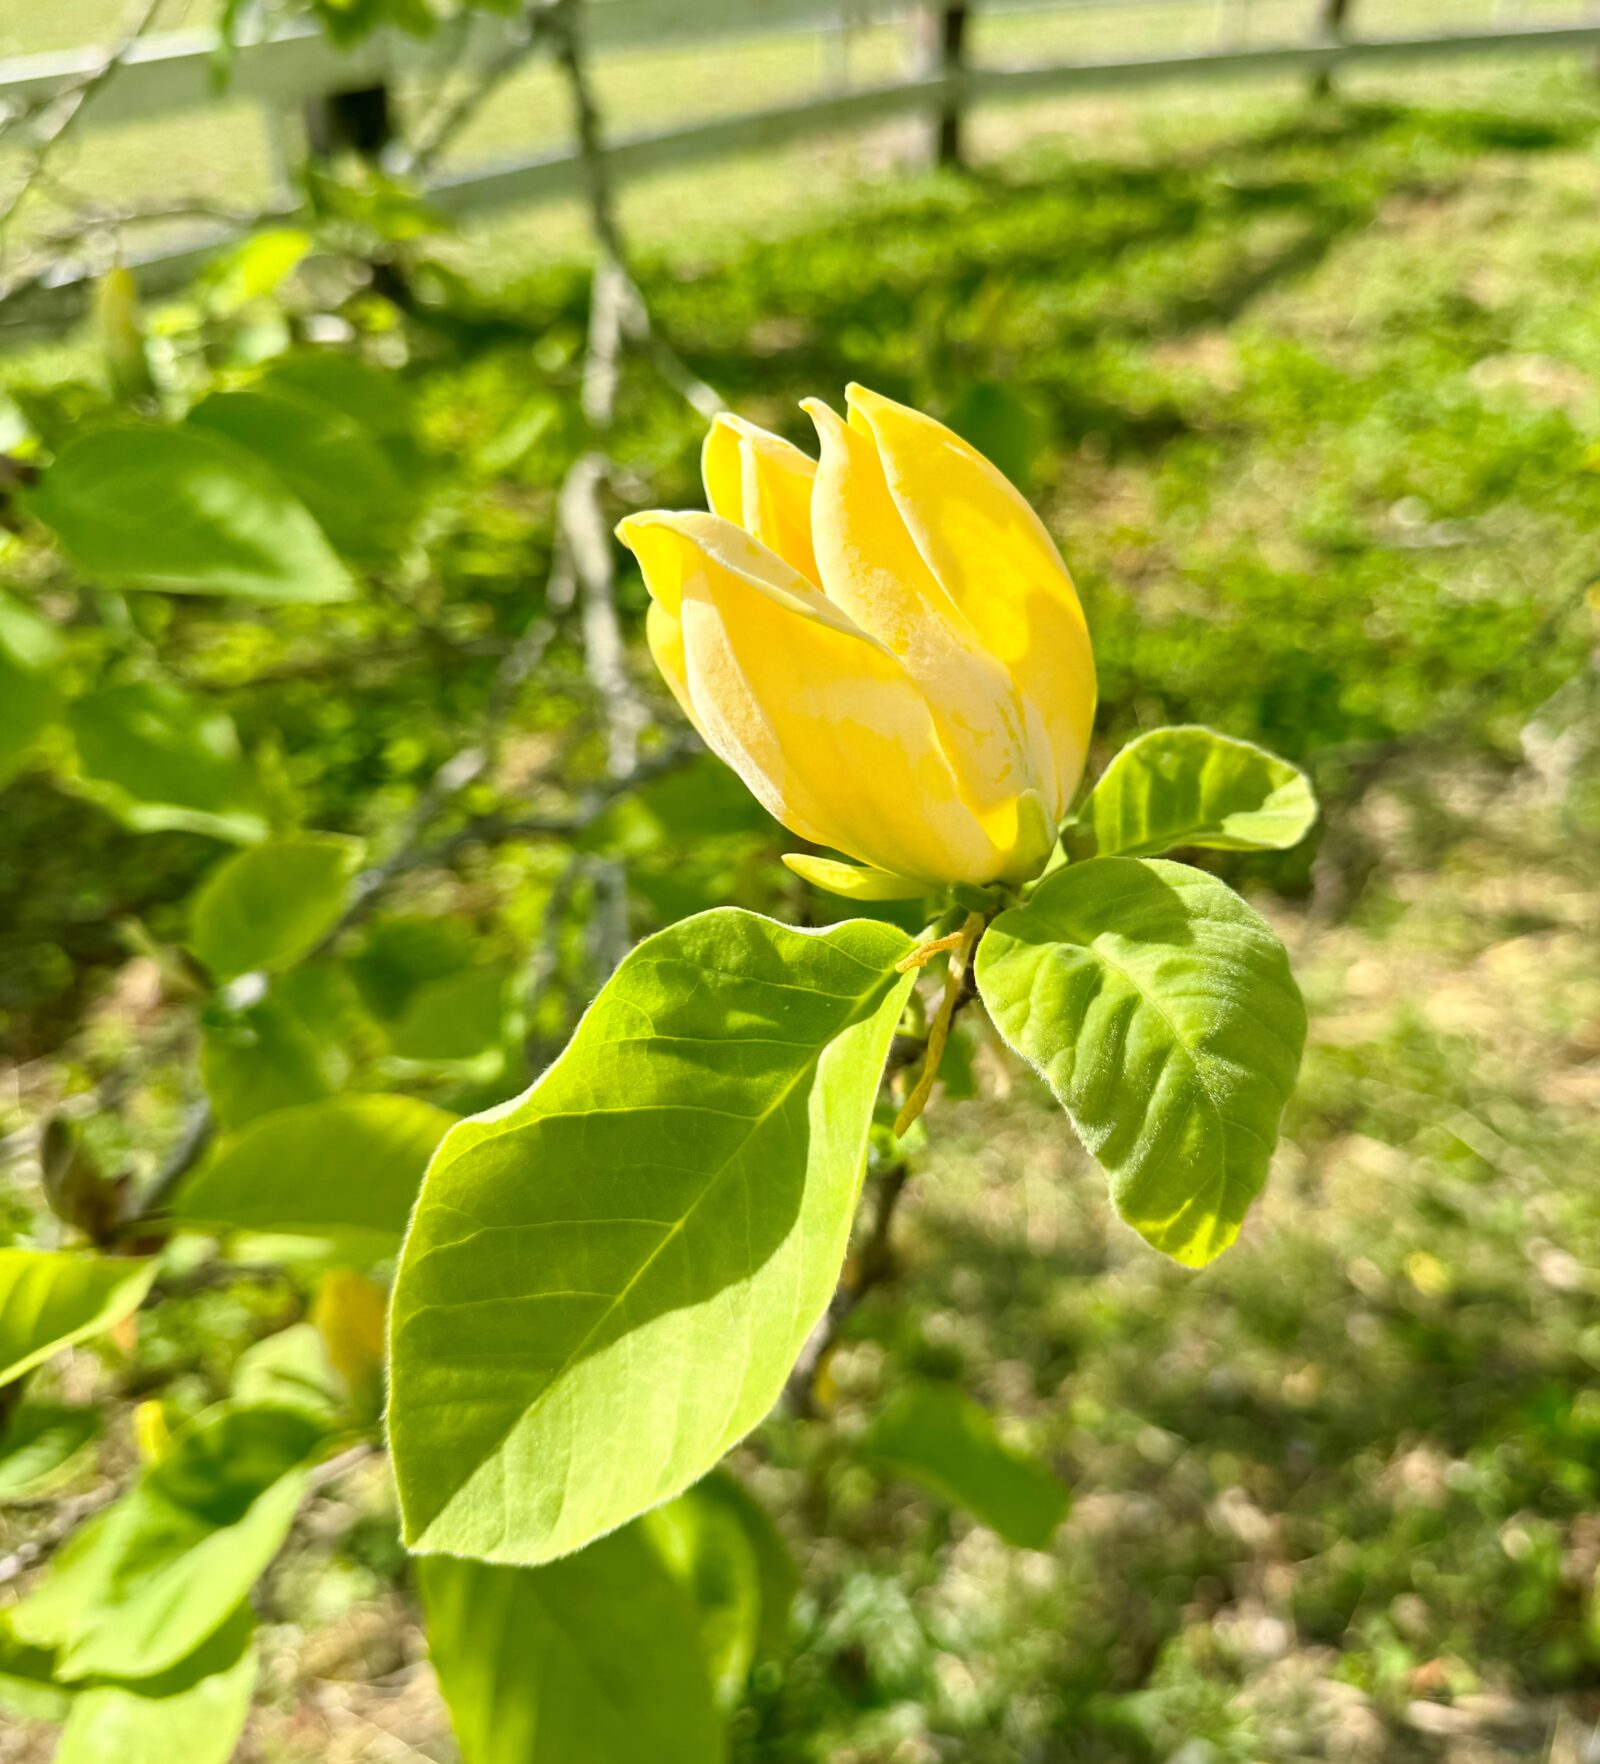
{"type": "Point", "coordinates": [961, 946]}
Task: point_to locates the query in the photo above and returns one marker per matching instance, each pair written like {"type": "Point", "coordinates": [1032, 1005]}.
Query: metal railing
{"type": "Point", "coordinates": [176, 73]}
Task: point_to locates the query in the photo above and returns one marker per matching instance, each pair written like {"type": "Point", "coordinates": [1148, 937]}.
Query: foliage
{"type": "Point", "coordinates": [1372, 1406]}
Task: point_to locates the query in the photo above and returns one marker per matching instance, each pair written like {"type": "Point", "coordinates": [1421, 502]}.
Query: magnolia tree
{"type": "Point", "coordinates": [560, 1314]}
{"type": "Point", "coordinates": [605, 1283]}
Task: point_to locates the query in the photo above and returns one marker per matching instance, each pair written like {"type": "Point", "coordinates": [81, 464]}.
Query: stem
{"type": "Point", "coordinates": [872, 1265]}
{"type": "Point", "coordinates": [955, 994]}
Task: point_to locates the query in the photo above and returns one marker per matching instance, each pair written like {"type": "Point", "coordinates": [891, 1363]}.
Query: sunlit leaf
{"type": "Point", "coordinates": [1162, 1012]}
{"type": "Point", "coordinates": [291, 1370]}
{"type": "Point", "coordinates": [945, 1441]}
{"type": "Point", "coordinates": [30, 699]}
{"type": "Point", "coordinates": [148, 1582]}
{"type": "Point", "coordinates": [260, 1059]}
{"type": "Point", "coordinates": [28, 1688]}
{"type": "Point", "coordinates": [52, 1298]}
{"type": "Point", "coordinates": [705, 1543]}
{"type": "Point", "coordinates": [192, 1714]}
{"type": "Point", "coordinates": [187, 512]}
{"type": "Point", "coordinates": [591, 1660]}
{"type": "Point", "coordinates": [40, 1443]}
{"type": "Point", "coordinates": [349, 1165]}
{"type": "Point", "coordinates": [606, 1283]}
{"type": "Point", "coordinates": [1191, 786]}
{"type": "Point", "coordinates": [269, 907]}
{"type": "Point", "coordinates": [158, 759]}
{"type": "Point", "coordinates": [324, 455]}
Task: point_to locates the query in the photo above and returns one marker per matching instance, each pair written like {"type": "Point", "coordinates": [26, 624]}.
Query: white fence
{"type": "Point", "coordinates": [168, 75]}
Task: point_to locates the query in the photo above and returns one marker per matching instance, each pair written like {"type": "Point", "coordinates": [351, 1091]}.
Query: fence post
{"type": "Point", "coordinates": [942, 38]}
{"type": "Point", "coordinates": [360, 119]}
{"type": "Point", "coordinates": [1332, 24]}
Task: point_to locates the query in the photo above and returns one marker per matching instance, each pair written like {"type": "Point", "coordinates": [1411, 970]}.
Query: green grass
{"type": "Point", "coordinates": [1319, 398]}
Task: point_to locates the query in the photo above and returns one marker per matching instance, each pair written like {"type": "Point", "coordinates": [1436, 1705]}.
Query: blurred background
{"type": "Point", "coordinates": [1297, 351]}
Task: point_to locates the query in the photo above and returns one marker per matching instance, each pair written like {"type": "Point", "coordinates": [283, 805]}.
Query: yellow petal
{"type": "Point", "coordinates": [663, 631]}
{"type": "Point", "coordinates": [998, 566]}
{"type": "Point", "coordinates": [872, 571]}
{"type": "Point", "coordinates": [826, 730]}
{"type": "Point", "coordinates": [762, 483]}
{"type": "Point", "coordinates": [852, 881]}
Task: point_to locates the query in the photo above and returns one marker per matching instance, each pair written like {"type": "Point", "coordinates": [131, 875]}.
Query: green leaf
{"type": "Point", "coordinates": [377, 398]}
{"type": "Point", "coordinates": [704, 1542]}
{"type": "Point", "coordinates": [1192, 786]}
{"type": "Point", "coordinates": [153, 1578]}
{"type": "Point", "coordinates": [52, 1298]}
{"type": "Point", "coordinates": [400, 956]}
{"type": "Point", "coordinates": [607, 1281]}
{"type": "Point", "coordinates": [1009, 428]}
{"type": "Point", "coordinates": [291, 1370]}
{"type": "Point", "coordinates": [698, 801]}
{"type": "Point", "coordinates": [269, 907]}
{"type": "Point", "coordinates": [775, 1569]}
{"type": "Point", "coordinates": [456, 1018]}
{"type": "Point", "coordinates": [28, 1688]}
{"type": "Point", "coordinates": [258, 1060]}
{"type": "Point", "coordinates": [346, 1166]}
{"type": "Point", "coordinates": [324, 455]}
{"type": "Point", "coordinates": [193, 1714]}
{"type": "Point", "coordinates": [186, 512]}
{"type": "Point", "coordinates": [934, 1435]}
{"type": "Point", "coordinates": [30, 699]}
{"type": "Point", "coordinates": [157, 759]}
{"type": "Point", "coordinates": [40, 1443]}
{"type": "Point", "coordinates": [591, 1660]}
{"type": "Point", "coordinates": [1162, 1011]}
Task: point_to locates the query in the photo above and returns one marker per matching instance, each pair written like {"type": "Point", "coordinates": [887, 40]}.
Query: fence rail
{"type": "Point", "coordinates": [174, 73]}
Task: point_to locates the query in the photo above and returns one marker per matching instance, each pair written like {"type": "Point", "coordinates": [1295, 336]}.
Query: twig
{"type": "Point", "coordinates": [72, 102]}
{"type": "Point", "coordinates": [869, 1268]}
{"type": "Point", "coordinates": [69, 1516]}
{"type": "Point", "coordinates": [956, 993]}
{"type": "Point", "coordinates": [441, 130]}
{"type": "Point", "coordinates": [199, 1129]}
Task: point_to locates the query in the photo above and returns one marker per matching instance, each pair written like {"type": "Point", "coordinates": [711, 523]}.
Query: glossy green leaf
{"type": "Point", "coordinates": [52, 1298]}
{"type": "Point", "coordinates": [1162, 1011]}
{"type": "Point", "coordinates": [591, 1660]}
{"type": "Point", "coordinates": [158, 759]}
{"type": "Point", "coordinates": [607, 1281]}
{"type": "Point", "coordinates": [346, 1165]}
{"type": "Point", "coordinates": [934, 1435]}
{"type": "Point", "coordinates": [147, 1583]}
{"type": "Point", "coordinates": [30, 699]}
{"type": "Point", "coordinates": [269, 907]}
{"type": "Point", "coordinates": [39, 1444]}
{"type": "Point", "coordinates": [187, 512]}
{"type": "Point", "coordinates": [324, 455]}
{"type": "Point", "coordinates": [1192, 786]}
{"type": "Point", "coordinates": [193, 1714]}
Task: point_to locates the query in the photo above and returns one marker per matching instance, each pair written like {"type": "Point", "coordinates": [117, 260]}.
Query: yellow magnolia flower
{"type": "Point", "coordinates": [883, 643]}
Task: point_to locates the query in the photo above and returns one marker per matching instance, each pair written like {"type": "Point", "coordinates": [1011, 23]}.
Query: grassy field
{"type": "Point", "coordinates": [1316, 393]}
